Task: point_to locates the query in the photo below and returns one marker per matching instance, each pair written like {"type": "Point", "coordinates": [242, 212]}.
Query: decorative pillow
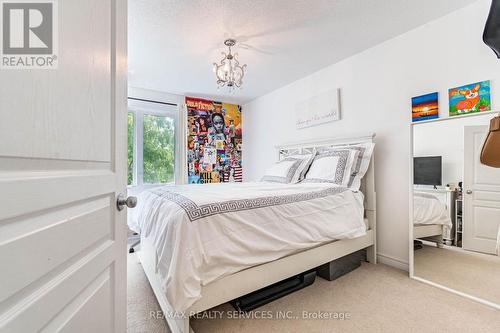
{"type": "Point", "coordinates": [361, 164]}
{"type": "Point", "coordinates": [288, 170]}
{"type": "Point", "coordinates": [332, 166]}
{"type": "Point", "coordinates": [308, 157]}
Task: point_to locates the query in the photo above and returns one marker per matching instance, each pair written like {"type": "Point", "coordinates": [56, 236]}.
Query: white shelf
{"type": "Point", "coordinates": [458, 216]}
{"type": "Point", "coordinates": [475, 114]}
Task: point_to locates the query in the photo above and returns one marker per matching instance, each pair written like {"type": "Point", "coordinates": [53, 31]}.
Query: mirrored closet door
{"type": "Point", "coordinates": [456, 208]}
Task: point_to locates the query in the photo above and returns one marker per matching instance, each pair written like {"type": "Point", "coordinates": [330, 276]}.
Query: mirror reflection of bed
{"type": "Point", "coordinates": [456, 208]}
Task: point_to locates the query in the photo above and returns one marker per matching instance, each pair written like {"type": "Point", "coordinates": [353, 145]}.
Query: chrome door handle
{"type": "Point", "coordinates": [121, 202]}
{"type": "Point", "coordinates": [469, 192]}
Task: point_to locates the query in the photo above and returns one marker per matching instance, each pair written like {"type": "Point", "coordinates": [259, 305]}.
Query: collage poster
{"type": "Point", "coordinates": [214, 141]}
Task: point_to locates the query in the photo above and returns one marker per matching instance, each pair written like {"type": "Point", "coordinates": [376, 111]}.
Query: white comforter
{"type": "Point", "coordinates": [427, 209]}
{"type": "Point", "coordinates": [204, 232]}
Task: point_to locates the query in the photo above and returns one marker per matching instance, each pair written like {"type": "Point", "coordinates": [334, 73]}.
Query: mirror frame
{"type": "Point", "coordinates": [411, 266]}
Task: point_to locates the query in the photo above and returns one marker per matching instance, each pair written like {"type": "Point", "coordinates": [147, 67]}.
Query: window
{"type": "Point", "coordinates": [151, 142]}
{"type": "Point", "coordinates": [130, 145]}
{"type": "Point", "coordinates": [158, 149]}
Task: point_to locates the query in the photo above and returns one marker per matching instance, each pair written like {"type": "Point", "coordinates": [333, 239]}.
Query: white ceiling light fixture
{"type": "Point", "coordinates": [229, 72]}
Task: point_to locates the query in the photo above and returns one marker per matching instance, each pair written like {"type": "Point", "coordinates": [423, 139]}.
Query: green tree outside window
{"type": "Point", "coordinates": [159, 149]}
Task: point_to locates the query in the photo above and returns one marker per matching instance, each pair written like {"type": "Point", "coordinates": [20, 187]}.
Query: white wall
{"type": "Point", "coordinates": [376, 88]}
{"type": "Point", "coordinates": [446, 139]}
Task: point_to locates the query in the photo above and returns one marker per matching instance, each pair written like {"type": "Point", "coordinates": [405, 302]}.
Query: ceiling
{"type": "Point", "coordinates": [173, 43]}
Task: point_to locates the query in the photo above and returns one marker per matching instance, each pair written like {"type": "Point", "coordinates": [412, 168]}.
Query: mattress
{"type": "Point", "coordinates": [427, 209]}
{"type": "Point", "coordinates": [201, 233]}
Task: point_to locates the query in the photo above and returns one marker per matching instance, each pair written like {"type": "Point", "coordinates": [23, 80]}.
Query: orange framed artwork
{"type": "Point", "coordinates": [425, 107]}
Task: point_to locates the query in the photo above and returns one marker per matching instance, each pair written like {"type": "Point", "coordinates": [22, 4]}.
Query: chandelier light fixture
{"type": "Point", "coordinates": [229, 72]}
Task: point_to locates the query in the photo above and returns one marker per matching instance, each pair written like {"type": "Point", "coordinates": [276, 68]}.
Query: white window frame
{"type": "Point", "coordinates": [139, 108]}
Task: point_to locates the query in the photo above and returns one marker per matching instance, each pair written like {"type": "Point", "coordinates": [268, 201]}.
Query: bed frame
{"type": "Point", "coordinates": [435, 232]}
{"type": "Point", "coordinates": [257, 277]}
{"type": "Point", "coordinates": [431, 230]}
{"type": "Point", "coordinates": [431, 233]}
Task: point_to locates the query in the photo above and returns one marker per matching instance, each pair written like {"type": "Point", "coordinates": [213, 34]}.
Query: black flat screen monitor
{"type": "Point", "coordinates": [427, 170]}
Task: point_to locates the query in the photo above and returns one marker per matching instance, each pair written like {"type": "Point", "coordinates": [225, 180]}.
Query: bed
{"type": "Point", "coordinates": [431, 217]}
{"type": "Point", "coordinates": [228, 240]}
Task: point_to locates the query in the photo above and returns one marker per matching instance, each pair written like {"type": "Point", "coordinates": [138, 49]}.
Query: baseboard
{"type": "Point", "coordinates": [393, 262]}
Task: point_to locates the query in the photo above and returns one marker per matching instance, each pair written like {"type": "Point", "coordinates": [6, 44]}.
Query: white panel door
{"type": "Point", "coordinates": [62, 164]}
{"type": "Point", "coordinates": [481, 195]}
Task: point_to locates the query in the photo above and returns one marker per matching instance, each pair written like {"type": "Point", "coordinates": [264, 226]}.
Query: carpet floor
{"type": "Point", "coordinates": [373, 298]}
{"type": "Point", "coordinates": [469, 272]}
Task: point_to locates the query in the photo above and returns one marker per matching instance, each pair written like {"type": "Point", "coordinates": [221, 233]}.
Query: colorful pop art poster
{"type": "Point", "coordinates": [470, 98]}
{"type": "Point", "coordinates": [214, 141]}
{"type": "Point", "coordinates": [425, 107]}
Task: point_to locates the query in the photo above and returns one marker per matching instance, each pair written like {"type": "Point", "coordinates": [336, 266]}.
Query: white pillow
{"type": "Point", "coordinates": [361, 164]}
{"type": "Point", "coordinates": [332, 166]}
{"type": "Point", "coordinates": [309, 157]}
{"type": "Point", "coordinates": [289, 170]}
